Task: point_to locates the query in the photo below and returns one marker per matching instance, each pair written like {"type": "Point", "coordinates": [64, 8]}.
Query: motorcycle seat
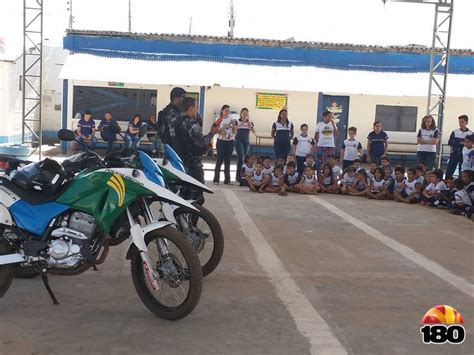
{"type": "Point", "coordinates": [33, 197]}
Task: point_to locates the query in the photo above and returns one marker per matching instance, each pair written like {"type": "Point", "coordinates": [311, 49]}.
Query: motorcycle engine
{"type": "Point", "coordinates": [66, 251]}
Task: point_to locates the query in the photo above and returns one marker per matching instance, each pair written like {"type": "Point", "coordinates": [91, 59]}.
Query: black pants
{"type": "Point", "coordinates": [110, 138]}
{"type": "Point", "coordinates": [455, 161]}
{"type": "Point", "coordinates": [193, 166]}
{"type": "Point", "coordinates": [224, 154]}
{"type": "Point", "coordinates": [427, 158]}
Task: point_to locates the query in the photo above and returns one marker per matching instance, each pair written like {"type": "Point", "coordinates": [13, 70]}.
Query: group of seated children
{"type": "Point", "coordinates": [413, 185]}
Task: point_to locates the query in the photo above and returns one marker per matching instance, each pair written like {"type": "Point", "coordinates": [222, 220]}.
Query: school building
{"type": "Point", "coordinates": [130, 73]}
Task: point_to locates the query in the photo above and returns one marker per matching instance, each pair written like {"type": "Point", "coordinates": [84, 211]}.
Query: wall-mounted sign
{"type": "Point", "coordinates": [115, 84]}
{"type": "Point", "coordinates": [266, 101]}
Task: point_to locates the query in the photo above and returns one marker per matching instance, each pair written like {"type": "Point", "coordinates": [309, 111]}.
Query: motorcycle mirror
{"type": "Point", "coordinates": [66, 135]}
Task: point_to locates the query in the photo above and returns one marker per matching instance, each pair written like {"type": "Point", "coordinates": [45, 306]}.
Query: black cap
{"type": "Point", "coordinates": [177, 92]}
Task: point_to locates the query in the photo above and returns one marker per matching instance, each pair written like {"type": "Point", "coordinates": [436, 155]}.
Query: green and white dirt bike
{"type": "Point", "coordinates": [63, 229]}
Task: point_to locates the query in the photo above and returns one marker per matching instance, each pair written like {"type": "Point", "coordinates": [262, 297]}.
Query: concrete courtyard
{"type": "Point", "coordinates": [300, 275]}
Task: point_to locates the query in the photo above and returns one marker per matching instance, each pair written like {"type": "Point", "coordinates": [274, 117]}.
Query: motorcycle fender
{"type": "Point", "coordinates": [168, 212]}
{"type": "Point", "coordinates": [5, 216]}
{"type": "Point", "coordinates": [138, 233]}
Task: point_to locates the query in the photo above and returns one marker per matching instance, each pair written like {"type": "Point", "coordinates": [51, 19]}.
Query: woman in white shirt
{"type": "Point", "coordinates": [427, 139]}
{"type": "Point", "coordinates": [224, 125]}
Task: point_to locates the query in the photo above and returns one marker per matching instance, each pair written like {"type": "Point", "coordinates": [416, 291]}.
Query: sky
{"type": "Point", "coordinates": [341, 21]}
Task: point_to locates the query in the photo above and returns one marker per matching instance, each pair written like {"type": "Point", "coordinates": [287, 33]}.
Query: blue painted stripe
{"type": "Point", "coordinates": [165, 50]}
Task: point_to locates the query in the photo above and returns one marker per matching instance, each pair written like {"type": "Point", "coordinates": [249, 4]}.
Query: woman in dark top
{"type": "Point", "coordinates": [242, 142]}
{"type": "Point", "coordinates": [377, 144]}
{"type": "Point", "coordinates": [131, 136]}
{"type": "Point", "coordinates": [282, 133]}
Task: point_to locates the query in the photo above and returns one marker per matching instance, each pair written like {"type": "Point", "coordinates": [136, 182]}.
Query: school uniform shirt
{"type": "Point", "coordinates": [467, 159]}
{"type": "Point", "coordinates": [461, 198]}
{"type": "Point", "coordinates": [247, 170]}
{"type": "Point", "coordinates": [456, 138]}
{"type": "Point", "coordinates": [427, 134]}
{"type": "Point", "coordinates": [326, 134]}
{"type": "Point", "coordinates": [348, 180]}
{"type": "Point", "coordinates": [470, 190]}
{"type": "Point", "coordinates": [267, 171]}
{"type": "Point", "coordinates": [257, 177]}
{"type": "Point", "coordinates": [389, 184]}
{"type": "Point", "coordinates": [282, 131]}
{"type": "Point", "coordinates": [410, 186]}
{"type": "Point", "coordinates": [226, 134]}
{"type": "Point", "coordinates": [421, 180]}
{"type": "Point", "coordinates": [351, 149]}
{"type": "Point", "coordinates": [85, 127]}
{"type": "Point", "coordinates": [243, 130]}
{"type": "Point", "coordinates": [291, 180]}
{"type": "Point", "coordinates": [370, 175]}
{"type": "Point", "coordinates": [398, 186]}
{"type": "Point", "coordinates": [440, 186]}
{"type": "Point", "coordinates": [336, 172]}
{"type": "Point", "coordinates": [327, 181]}
{"type": "Point", "coordinates": [275, 180]}
{"type": "Point", "coordinates": [376, 186]}
{"type": "Point", "coordinates": [360, 186]}
{"type": "Point", "coordinates": [303, 145]}
{"type": "Point", "coordinates": [377, 142]}
{"type": "Point", "coordinates": [309, 181]}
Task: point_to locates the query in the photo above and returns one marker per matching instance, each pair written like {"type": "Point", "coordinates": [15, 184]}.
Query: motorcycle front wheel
{"type": "Point", "coordinates": [179, 275]}
{"type": "Point", "coordinates": [204, 233]}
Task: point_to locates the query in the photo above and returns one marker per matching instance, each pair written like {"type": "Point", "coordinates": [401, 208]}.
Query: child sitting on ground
{"type": "Point", "coordinates": [359, 186]}
{"type": "Point", "coordinates": [256, 182]}
{"type": "Point", "coordinates": [385, 162]}
{"type": "Point", "coordinates": [267, 166]}
{"type": "Point", "coordinates": [433, 190]}
{"type": "Point", "coordinates": [275, 181]}
{"type": "Point", "coordinates": [291, 177]}
{"type": "Point", "coordinates": [327, 181]}
{"type": "Point", "coordinates": [348, 179]}
{"type": "Point", "coordinates": [310, 162]}
{"type": "Point", "coordinates": [411, 188]}
{"type": "Point", "coordinates": [371, 172]}
{"type": "Point", "coordinates": [309, 183]}
{"type": "Point", "coordinates": [420, 176]}
{"type": "Point", "coordinates": [291, 157]}
{"type": "Point", "coordinates": [388, 183]}
{"type": "Point", "coordinates": [377, 189]}
{"type": "Point", "coordinates": [398, 184]}
{"type": "Point", "coordinates": [336, 169]}
{"type": "Point", "coordinates": [446, 196]}
{"type": "Point", "coordinates": [247, 169]}
{"type": "Point", "coordinates": [461, 204]}
{"type": "Point", "coordinates": [357, 163]}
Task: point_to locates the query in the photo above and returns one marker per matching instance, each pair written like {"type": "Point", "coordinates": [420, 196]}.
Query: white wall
{"type": "Point", "coordinates": [10, 101]}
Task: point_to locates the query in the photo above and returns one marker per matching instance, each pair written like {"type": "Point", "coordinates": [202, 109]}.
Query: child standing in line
{"type": "Point", "coordinates": [433, 190]}
{"type": "Point", "coordinates": [267, 166]}
{"type": "Point", "coordinates": [377, 185]}
{"type": "Point", "coordinates": [370, 173]}
{"type": "Point", "coordinates": [327, 181]}
{"type": "Point", "coordinates": [399, 184]}
{"type": "Point", "coordinates": [351, 149]}
{"type": "Point", "coordinates": [257, 181]}
{"type": "Point", "coordinates": [336, 169]}
{"type": "Point", "coordinates": [302, 146]}
{"type": "Point", "coordinates": [309, 183]}
{"type": "Point", "coordinates": [359, 186]}
{"type": "Point", "coordinates": [247, 169]}
{"type": "Point", "coordinates": [468, 154]}
{"type": "Point", "coordinates": [275, 181]}
{"type": "Point", "coordinates": [411, 188]}
{"type": "Point", "coordinates": [291, 178]}
{"type": "Point", "coordinates": [348, 179]}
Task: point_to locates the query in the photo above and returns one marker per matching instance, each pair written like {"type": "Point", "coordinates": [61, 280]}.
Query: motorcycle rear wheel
{"type": "Point", "coordinates": [6, 271]}
{"type": "Point", "coordinates": [190, 275]}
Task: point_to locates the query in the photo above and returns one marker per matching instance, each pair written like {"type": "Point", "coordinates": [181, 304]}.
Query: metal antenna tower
{"type": "Point", "coordinates": [71, 17]}
{"type": "Point", "coordinates": [32, 74]}
{"type": "Point", "coordinates": [441, 42]}
{"type": "Point", "coordinates": [230, 34]}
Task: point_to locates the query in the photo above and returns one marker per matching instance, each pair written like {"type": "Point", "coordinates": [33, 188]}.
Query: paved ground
{"type": "Point", "coordinates": [300, 275]}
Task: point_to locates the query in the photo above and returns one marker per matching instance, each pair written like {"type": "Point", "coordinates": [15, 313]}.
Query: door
{"type": "Point", "coordinates": [339, 107]}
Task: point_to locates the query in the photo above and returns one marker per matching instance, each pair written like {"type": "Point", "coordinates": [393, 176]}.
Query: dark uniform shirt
{"type": "Point", "coordinates": [171, 131]}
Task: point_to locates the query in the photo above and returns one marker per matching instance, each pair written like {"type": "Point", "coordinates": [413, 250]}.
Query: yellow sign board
{"type": "Point", "coordinates": [266, 101]}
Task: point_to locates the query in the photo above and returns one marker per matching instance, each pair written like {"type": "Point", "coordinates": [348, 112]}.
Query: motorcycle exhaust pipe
{"type": "Point", "coordinates": [11, 259]}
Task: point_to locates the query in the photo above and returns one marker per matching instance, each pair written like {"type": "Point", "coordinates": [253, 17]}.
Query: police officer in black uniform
{"type": "Point", "coordinates": [194, 144]}
{"type": "Point", "coordinates": [169, 125]}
